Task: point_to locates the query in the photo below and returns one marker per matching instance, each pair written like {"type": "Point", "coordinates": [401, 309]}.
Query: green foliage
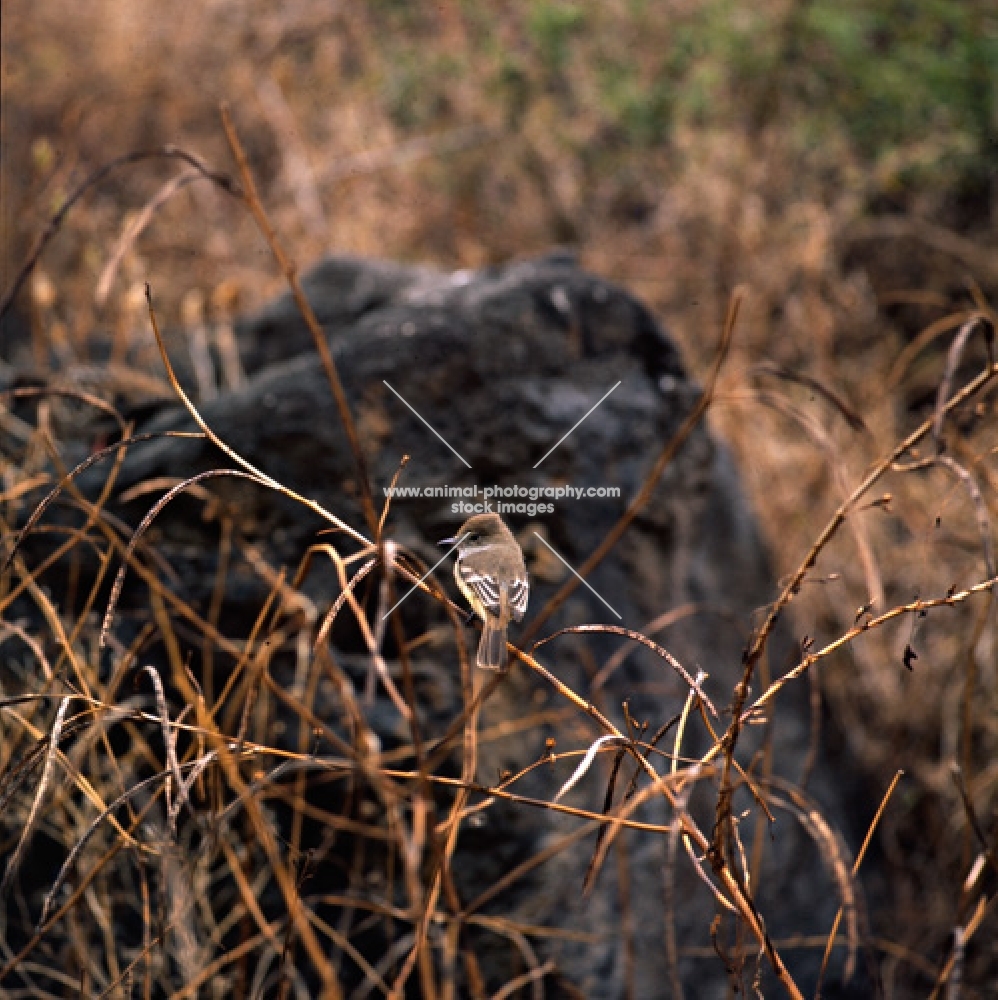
{"type": "Point", "coordinates": [512, 84]}
{"type": "Point", "coordinates": [900, 71]}
{"type": "Point", "coordinates": [416, 90]}
{"type": "Point", "coordinates": [642, 111]}
{"type": "Point", "coordinates": [911, 83]}
{"type": "Point", "coordinates": [552, 24]}
{"type": "Point", "coordinates": [914, 80]}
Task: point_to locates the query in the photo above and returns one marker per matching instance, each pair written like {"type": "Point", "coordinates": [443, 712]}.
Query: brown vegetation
{"type": "Point", "coordinates": [858, 396]}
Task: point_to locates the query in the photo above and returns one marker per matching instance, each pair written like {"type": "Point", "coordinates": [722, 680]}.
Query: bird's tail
{"type": "Point", "coordinates": [492, 647]}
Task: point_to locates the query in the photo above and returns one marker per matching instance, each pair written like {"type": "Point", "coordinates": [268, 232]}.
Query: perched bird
{"type": "Point", "coordinates": [493, 578]}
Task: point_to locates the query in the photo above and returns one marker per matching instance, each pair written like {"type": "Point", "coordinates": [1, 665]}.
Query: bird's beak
{"type": "Point", "coordinates": [447, 541]}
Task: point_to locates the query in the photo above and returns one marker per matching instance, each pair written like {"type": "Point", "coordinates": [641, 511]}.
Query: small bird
{"type": "Point", "coordinates": [493, 578]}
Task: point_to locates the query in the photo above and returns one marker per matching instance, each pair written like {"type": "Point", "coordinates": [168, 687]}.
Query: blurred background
{"type": "Point", "coordinates": [838, 158]}
{"type": "Point", "coordinates": [681, 147]}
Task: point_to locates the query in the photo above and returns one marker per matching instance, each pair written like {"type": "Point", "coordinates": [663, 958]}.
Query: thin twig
{"type": "Point", "coordinates": [170, 152]}
{"type": "Point", "coordinates": [255, 205]}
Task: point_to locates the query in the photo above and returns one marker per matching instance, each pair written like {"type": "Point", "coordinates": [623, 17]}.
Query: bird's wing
{"type": "Point", "coordinates": [484, 587]}
{"type": "Point", "coordinates": [519, 593]}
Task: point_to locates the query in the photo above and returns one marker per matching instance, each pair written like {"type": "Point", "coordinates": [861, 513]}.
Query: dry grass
{"type": "Point", "coordinates": [372, 132]}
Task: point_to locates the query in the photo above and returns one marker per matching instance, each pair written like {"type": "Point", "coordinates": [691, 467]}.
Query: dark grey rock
{"type": "Point", "coordinates": [502, 363]}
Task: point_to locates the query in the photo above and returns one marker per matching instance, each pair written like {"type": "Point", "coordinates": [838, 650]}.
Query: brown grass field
{"type": "Point", "coordinates": [837, 172]}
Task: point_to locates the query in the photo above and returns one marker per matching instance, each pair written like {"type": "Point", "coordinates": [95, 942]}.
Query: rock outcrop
{"type": "Point", "coordinates": [502, 363]}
